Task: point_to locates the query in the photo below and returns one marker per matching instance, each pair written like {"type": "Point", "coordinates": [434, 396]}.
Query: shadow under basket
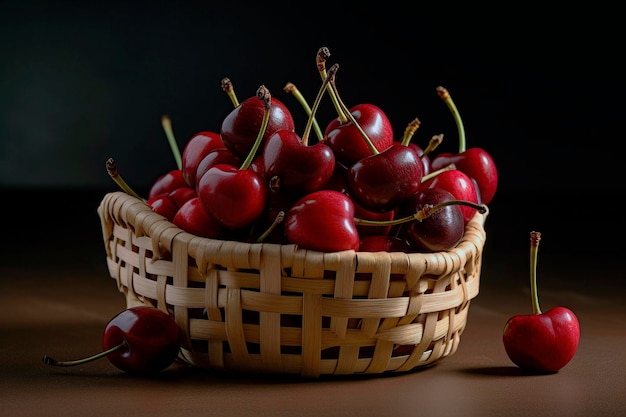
{"type": "Point", "coordinates": [270, 308]}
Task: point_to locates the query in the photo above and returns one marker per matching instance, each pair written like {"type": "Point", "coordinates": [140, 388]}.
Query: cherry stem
{"type": "Point", "coordinates": [425, 212]}
{"type": "Point", "coordinates": [322, 55]}
{"type": "Point", "coordinates": [50, 361]}
{"type": "Point", "coordinates": [434, 142]}
{"type": "Point", "coordinates": [227, 86]}
{"type": "Point", "coordinates": [353, 120]}
{"type": "Point", "coordinates": [166, 122]}
{"type": "Point", "coordinates": [279, 219]}
{"type": "Point", "coordinates": [535, 238]}
{"type": "Point", "coordinates": [290, 88]}
{"type": "Point", "coordinates": [437, 172]}
{"type": "Point", "coordinates": [262, 94]}
{"type": "Point", "coordinates": [409, 131]}
{"type": "Point", "coordinates": [330, 78]}
{"type": "Point", "coordinates": [111, 166]}
{"type": "Point", "coordinates": [447, 98]}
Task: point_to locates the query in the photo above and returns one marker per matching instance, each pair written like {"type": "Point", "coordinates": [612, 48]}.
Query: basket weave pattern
{"type": "Point", "coordinates": [270, 308]}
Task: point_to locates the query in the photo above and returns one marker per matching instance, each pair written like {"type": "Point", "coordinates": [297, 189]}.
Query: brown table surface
{"type": "Point", "coordinates": [56, 297]}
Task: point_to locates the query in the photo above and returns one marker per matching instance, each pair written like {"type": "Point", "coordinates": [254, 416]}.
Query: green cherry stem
{"type": "Point", "coordinates": [434, 142]}
{"type": "Point", "coordinates": [447, 98]}
{"type": "Point", "coordinates": [290, 88]}
{"type": "Point", "coordinates": [278, 220]}
{"type": "Point", "coordinates": [322, 55]}
{"type": "Point", "coordinates": [111, 166]}
{"type": "Point", "coordinates": [227, 87]}
{"type": "Point", "coordinates": [166, 122]}
{"type": "Point", "coordinates": [356, 124]}
{"type": "Point", "coordinates": [425, 212]}
{"type": "Point", "coordinates": [51, 361]}
{"type": "Point", "coordinates": [535, 238]}
{"type": "Point", "coordinates": [307, 130]}
{"type": "Point", "coordinates": [437, 172]}
{"type": "Point", "coordinates": [263, 94]}
{"type": "Point", "coordinates": [409, 131]}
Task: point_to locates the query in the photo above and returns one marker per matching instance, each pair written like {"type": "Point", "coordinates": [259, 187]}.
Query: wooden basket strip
{"type": "Point", "coordinates": [343, 288]}
{"type": "Point", "coordinates": [270, 273]}
{"type": "Point", "coordinates": [311, 334]}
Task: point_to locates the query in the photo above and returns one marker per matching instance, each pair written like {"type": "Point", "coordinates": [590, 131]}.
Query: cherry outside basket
{"type": "Point", "coordinates": [270, 308]}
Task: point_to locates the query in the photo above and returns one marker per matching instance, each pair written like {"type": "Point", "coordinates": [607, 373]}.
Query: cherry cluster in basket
{"type": "Point", "coordinates": [355, 186]}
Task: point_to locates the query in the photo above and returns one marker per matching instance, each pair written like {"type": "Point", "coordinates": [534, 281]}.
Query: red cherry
{"type": "Point", "coordinates": [478, 165]}
{"type": "Point", "coordinates": [301, 168]}
{"type": "Point", "coordinates": [168, 204]}
{"type": "Point", "coordinates": [182, 194]}
{"type": "Point", "coordinates": [382, 181]}
{"type": "Point", "coordinates": [346, 141]}
{"type": "Point", "coordinates": [461, 187]}
{"type": "Point", "coordinates": [442, 230]}
{"type": "Point", "coordinates": [322, 221]}
{"type": "Point", "coordinates": [235, 197]}
{"type": "Point", "coordinates": [140, 340]}
{"type": "Point", "coordinates": [216, 156]}
{"type": "Point", "coordinates": [193, 217]}
{"type": "Point", "coordinates": [241, 126]}
{"type": "Point", "coordinates": [163, 205]}
{"type": "Point", "coordinates": [195, 150]}
{"type": "Point", "coordinates": [541, 342]}
{"type": "Point", "coordinates": [167, 183]}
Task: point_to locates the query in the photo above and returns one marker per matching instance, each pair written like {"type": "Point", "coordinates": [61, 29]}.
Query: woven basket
{"type": "Point", "coordinates": [269, 308]}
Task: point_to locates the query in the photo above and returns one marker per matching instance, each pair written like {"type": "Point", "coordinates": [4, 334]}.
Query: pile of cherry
{"type": "Point", "coordinates": [355, 187]}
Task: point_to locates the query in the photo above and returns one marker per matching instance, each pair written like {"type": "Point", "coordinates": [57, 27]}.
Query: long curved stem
{"type": "Point", "coordinates": [293, 90]}
{"type": "Point", "coordinates": [320, 59]}
{"type": "Point", "coordinates": [111, 166]}
{"type": "Point", "coordinates": [330, 78]}
{"type": "Point", "coordinates": [50, 361]}
{"type": "Point", "coordinates": [425, 212]}
{"type": "Point", "coordinates": [444, 94]}
{"type": "Point", "coordinates": [352, 119]}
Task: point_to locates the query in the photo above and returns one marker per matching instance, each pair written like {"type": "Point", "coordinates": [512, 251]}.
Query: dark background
{"type": "Point", "coordinates": [541, 90]}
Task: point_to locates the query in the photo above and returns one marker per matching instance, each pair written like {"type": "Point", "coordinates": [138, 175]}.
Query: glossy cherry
{"type": "Point", "coordinates": [477, 163]}
{"type": "Point", "coordinates": [168, 204]}
{"type": "Point", "coordinates": [322, 221]}
{"type": "Point", "coordinates": [459, 185]}
{"type": "Point", "coordinates": [240, 127]}
{"type": "Point", "coordinates": [216, 156]}
{"type": "Point", "coordinates": [301, 167]}
{"type": "Point", "coordinates": [140, 340]}
{"type": "Point", "coordinates": [167, 183]}
{"type": "Point", "coordinates": [345, 138]}
{"type": "Point", "coordinates": [193, 217]}
{"type": "Point", "coordinates": [541, 342]}
{"type": "Point", "coordinates": [382, 181]}
{"type": "Point", "coordinates": [195, 150]}
{"type": "Point", "coordinates": [237, 196]}
{"type": "Point", "coordinates": [442, 230]}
